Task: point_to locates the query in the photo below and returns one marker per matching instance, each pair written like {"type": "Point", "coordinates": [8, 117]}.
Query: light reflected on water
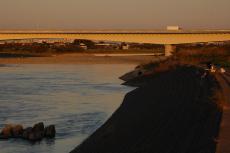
{"type": "Point", "coordinates": [76, 98]}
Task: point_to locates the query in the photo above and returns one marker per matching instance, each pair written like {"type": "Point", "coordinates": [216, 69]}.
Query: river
{"type": "Point", "coordinates": [77, 99]}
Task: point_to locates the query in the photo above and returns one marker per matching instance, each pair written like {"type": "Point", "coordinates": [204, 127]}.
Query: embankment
{"type": "Point", "coordinates": [172, 112]}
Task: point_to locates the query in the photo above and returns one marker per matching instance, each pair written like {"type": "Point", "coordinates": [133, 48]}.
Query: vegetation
{"type": "Point", "coordinates": [147, 46]}
{"type": "Point", "coordinates": [38, 48]}
{"type": "Point", "coordinates": [198, 55]}
{"type": "Point", "coordinates": [77, 46]}
{"type": "Point", "coordinates": [218, 55]}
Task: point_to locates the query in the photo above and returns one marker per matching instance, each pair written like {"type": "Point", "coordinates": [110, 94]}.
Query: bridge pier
{"type": "Point", "coordinates": [169, 49]}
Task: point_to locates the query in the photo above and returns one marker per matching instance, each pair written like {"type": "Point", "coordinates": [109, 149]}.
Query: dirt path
{"type": "Point", "coordinates": [224, 136]}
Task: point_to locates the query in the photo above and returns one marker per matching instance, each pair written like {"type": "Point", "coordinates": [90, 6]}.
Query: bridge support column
{"type": "Point", "coordinates": [169, 49]}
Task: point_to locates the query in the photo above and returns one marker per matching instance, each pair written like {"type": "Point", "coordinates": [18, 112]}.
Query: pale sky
{"type": "Point", "coordinates": [114, 14]}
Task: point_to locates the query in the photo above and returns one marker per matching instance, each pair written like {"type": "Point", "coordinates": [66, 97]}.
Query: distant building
{"type": "Point", "coordinates": [220, 43]}
{"type": "Point", "coordinates": [39, 40]}
{"type": "Point", "coordinates": [125, 47]}
{"type": "Point", "coordinates": [52, 40]}
{"type": "Point", "coordinates": [107, 46]}
{"type": "Point", "coordinates": [173, 28]}
{"type": "Point", "coordinates": [83, 46]}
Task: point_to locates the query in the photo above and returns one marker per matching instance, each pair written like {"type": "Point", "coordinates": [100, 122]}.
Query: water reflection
{"type": "Point", "coordinates": [76, 98]}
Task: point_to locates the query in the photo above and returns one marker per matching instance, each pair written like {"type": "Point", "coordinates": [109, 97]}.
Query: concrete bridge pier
{"type": "Point", "coordinates": [169, 49]}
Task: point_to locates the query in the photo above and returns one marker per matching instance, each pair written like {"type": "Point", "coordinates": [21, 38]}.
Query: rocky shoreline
{"type": "Point", "coordinates": [35, 133]}
{"type": "Point", "coordinates": [175, 111]}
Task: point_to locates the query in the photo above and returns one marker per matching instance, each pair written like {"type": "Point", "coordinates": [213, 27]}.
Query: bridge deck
{"type": "Point", "coordinates": [114, 32]}
{"type": "Point", "coordinates": [153, 37]}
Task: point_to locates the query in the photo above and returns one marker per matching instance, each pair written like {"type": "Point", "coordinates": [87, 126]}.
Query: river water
{"type": "Point", "coordinates": [77, 99]}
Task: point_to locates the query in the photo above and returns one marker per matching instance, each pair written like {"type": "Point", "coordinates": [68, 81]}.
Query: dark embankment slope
{"type": "Point", "coordinates": [173, 113]}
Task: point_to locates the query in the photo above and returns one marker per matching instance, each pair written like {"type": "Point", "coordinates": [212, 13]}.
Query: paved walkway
{"type": "Point", "coordinates": [224, 137]}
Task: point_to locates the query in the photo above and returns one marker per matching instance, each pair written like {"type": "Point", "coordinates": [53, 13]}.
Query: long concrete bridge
{"type": "Point", "coordinates": [167, 38]}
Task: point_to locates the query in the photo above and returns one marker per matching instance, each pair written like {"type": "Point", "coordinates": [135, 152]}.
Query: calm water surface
{"type": "Point", "coordinates": [76, 98]}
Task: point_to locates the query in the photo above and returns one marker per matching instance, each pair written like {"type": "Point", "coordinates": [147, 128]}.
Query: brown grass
{"type": "Point", "coordinates": [219, 55]}
{"type": "Point", "coordinates": [197, 56]}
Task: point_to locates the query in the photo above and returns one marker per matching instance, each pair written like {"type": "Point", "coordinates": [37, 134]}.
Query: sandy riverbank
{"type": "Point", "coordinates": [173, 111]}
{"type": "Point", "coordinates": [81, 58]}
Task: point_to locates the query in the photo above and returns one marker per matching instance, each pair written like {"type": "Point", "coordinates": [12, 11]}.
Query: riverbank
{"type": "Point", "coordinates": [81, 58]}
{"type": "Point", "coordinates": [224, 136]}
{"type": "Point", "coordinates": [175, 111]}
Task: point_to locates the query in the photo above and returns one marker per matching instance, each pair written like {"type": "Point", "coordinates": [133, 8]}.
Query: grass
{"type": "Point", "coordinates": [216, 55]}
{"type": "Point", "coordinates": [199, 56]}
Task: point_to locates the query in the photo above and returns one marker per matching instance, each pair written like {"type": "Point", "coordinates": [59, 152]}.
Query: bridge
{"type": "Point", "coordinates": [167, 38]}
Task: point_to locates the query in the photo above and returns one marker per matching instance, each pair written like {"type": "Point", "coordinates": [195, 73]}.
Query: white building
{"type": "Point", "coordinates": [125, 47]}
{"type": "Point", "coordinates": [83, 46]}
